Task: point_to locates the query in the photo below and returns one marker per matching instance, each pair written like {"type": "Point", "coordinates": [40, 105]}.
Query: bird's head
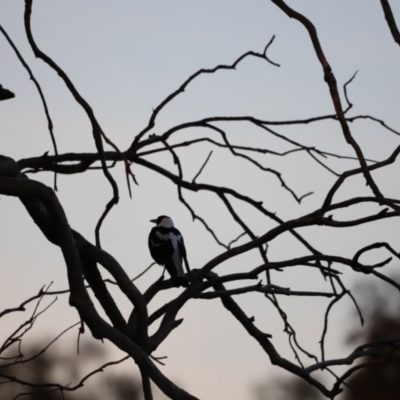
{"type": "Point", "coordinates": [163, 220]}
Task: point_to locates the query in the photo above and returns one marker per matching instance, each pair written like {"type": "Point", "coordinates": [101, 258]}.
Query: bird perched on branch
{"type": "Point", "coordinates": [168, 249]}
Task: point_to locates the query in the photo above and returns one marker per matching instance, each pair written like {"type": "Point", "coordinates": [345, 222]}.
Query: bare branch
{"type": "Point", "coordinates": [58, 386]}
{"type": "Point", "coordinates": [331, 82]}
{"type": "Point", "coordinates": [135, 145]}
{"type": "Point", "coordinates": [96, 129]}
{"type": "Point", "coordinates": [39, 89]}
{"type": "Point", "coordinates": [265, 52]}
{"type": "Point", "coordinates": [202, 167]}
{"type": "Point", "coordinates": [387, 10]}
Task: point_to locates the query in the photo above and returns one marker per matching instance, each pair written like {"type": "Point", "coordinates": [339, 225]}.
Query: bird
{"type": "Point", "coordinates": [167, 248]}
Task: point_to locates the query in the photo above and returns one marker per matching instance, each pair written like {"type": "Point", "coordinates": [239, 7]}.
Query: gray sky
{"type": "Point", "coordinates": [124, 59]}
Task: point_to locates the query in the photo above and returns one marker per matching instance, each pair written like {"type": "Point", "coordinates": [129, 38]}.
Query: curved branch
{"type": "Point", "coordinates": [96, 129]}
{"type": "Point", "coordinates": [391, 21]}
{"type": "Point", "coordinates": [79, 297]}
{"type": "Point", "coordinates": [39, 89]}
{"type": "Point", "coordinates": [334, 93]}
{"type": "Point", "coordinates": [135, 145]}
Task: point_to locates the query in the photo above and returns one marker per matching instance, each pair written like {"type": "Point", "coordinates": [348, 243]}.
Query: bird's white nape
{"type": "Point", "coordinates": [166, 222]}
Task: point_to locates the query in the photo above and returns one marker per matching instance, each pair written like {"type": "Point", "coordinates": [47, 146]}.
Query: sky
{"type": "Point", "coordinates": [124, 59]}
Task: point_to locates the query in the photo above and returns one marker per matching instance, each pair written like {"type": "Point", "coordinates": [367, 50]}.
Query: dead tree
{"type": "Point", "coordinates": [85, 260]}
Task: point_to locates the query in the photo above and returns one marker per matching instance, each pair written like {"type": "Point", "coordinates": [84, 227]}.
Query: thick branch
{"type": "Point", "coordinates": [391, 21]}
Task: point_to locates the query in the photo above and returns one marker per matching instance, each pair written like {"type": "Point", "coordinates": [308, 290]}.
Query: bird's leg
{"type": "Point", "coordinates": [187, 266]}
{"type": "Point", "coordinates": [162, 276]}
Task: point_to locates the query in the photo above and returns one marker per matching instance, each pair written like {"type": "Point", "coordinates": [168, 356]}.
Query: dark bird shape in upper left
{"type": "Point", "coordinates": [6, 94]}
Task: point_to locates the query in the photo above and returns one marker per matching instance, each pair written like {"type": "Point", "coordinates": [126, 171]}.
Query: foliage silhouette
{"type": "Point", "coordinates": [67, 368]}
{"type": "Point", "coordinates": [380, 378]}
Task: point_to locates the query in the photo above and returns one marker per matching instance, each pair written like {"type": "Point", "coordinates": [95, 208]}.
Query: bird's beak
{"type": "Point", "coordinates": [154, 221]}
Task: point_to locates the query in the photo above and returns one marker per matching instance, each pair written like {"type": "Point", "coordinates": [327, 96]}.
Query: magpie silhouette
{"type": "Point", "coordinates": [168, 249]}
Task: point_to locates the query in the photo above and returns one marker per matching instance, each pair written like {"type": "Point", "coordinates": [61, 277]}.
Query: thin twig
{"type": "Point", "coordinates": [39, 89]}
{"type": "Point", "coordinates": [202, 167]}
